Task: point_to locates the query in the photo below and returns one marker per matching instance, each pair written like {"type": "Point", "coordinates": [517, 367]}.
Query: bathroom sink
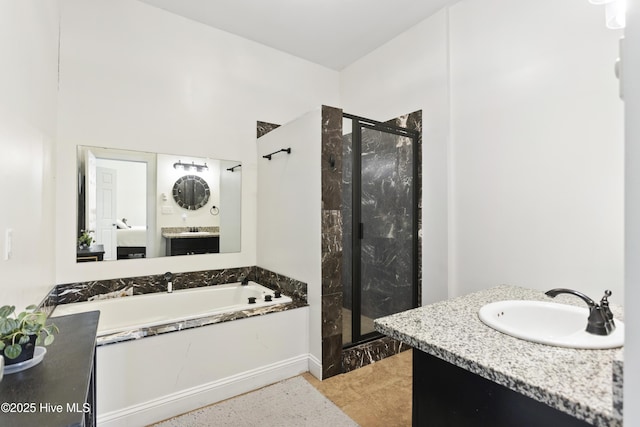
{"type": "Point", "coordinates": [195, 233]}
{"type": "Point", "coordinates": [548, 323]}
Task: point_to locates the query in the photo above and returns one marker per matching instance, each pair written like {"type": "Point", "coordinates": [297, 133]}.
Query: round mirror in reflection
{"type": "Point", "coordinates": [191, 192]}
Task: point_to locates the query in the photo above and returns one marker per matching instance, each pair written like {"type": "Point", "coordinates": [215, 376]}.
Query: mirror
{"type": "Point", "coordinates": [191, 192]}
{"type": "Point", "coordinates": [146, 205]}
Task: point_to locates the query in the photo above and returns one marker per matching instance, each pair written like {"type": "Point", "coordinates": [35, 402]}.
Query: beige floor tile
{"type": "Point", "coordinates": [375, 395]}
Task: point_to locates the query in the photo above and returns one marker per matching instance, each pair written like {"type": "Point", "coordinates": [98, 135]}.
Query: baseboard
{"type": "Point", "coordinates": [187, 400]}
{"type": "Point", "coordinates": [315, 367]}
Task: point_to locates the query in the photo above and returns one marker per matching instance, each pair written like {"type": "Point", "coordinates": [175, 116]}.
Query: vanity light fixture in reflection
{"type": "Point", "coordinates": [190, 167]}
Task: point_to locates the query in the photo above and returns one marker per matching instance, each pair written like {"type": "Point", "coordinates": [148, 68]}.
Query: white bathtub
{"type": "Point", "coordinates": [148, 310]}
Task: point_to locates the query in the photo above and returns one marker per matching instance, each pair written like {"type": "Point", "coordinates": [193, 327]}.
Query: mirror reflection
{"type": "Point", "coordinates": [134, 205]}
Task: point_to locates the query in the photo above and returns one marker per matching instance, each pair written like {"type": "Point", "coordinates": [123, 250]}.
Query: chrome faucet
{"type": "Point", "coordinates": [600, 321]}
{"type": "Point", "coordinates": [168, 277]}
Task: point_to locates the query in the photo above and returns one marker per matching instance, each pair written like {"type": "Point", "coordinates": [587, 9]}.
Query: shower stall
{"type": "Point", "coordinates": [380, 223]}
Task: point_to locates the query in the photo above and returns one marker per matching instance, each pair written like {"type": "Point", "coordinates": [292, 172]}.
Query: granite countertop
{"type": "Point", "coordinates": [582, 383]}
{"type": "Point", "coordinates": [187, 233]}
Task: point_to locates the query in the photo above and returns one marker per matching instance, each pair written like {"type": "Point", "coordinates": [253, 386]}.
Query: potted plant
{"type": "Point", "coordinates": [85, 240]}
{"type": "Point", "coordinates": [20, 333]}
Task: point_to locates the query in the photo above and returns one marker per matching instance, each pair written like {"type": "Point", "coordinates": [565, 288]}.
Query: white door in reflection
{"type": "Point", "coordinates": [106, 210]}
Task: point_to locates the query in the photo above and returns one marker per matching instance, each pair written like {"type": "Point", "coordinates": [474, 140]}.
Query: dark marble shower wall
{"type": "Point", "coordinates": [335, 229]}
{"type": "Point", "coordinates": [332, 228]}
{"type": "Point", "coordinates": [263, 128]}
{"type": "Point", "coordinates": [387, 215]}
{"type": "Point", "coordinates": [387, 164]}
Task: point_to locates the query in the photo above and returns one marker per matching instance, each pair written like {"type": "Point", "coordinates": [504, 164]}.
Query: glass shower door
{"type": "Point", "coordinates": [384, 226]}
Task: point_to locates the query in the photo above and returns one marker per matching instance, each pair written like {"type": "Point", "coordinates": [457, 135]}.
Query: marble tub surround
{"type": "Point", "coordinates": [139, 333]}
{"type": "Point", "coordinates": [117, 288]}
{"type": "Point", "coordinates": [178, 232]}
{"type": "Point", "coordinates": [291, 287]}
{"type": "Point", "coordinates": [48, 304]}
{"type": "Point", "coordinates": [577, 382]}
{"type": "Point", "coordinates": [83, 291]}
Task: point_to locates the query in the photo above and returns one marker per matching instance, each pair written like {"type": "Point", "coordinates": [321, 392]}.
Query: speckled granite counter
{"type": "Point", "coordinates": [188, 233]}
{"type": "Point", "coordinates": [578, 382]}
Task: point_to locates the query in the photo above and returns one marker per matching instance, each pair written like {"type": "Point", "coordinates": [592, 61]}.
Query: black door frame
{"type": "Point", "coordinates": [357, 231]}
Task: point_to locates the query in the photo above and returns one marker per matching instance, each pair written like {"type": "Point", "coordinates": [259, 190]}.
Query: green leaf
{"type": "Point", "coordinates": [6, 310]}
{"type": "Point", "coordinates": [31, 307]}
{"type": "Point", "coordinates": [7, 326]}
{"type": "Point", "coordinates": [2, 344]}
{"type": "Point", "coordinates": [23, 339]}
{"type": "Point", "coordinates": [31, 328]}
{"type": "Point", "coordinates": [49, 339]}
{"type": "Point", "coordinates": [12, 351]}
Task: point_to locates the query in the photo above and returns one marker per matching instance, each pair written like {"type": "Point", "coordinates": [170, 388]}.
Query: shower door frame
{"type": "Point", "coordinates": [357, 231]}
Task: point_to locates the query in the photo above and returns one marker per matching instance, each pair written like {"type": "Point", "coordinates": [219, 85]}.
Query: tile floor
{"type": "Point", "coordinates": [375, 395]}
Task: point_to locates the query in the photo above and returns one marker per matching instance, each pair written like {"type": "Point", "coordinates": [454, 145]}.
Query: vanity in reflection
{"type": "Point", "coordinates": [143, 205]}
{"type": "Point", "coordinates": [191, 240]}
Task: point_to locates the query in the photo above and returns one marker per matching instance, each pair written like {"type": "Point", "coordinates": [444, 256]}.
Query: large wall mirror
{"type": "Point", "coordinates": [138, 205]}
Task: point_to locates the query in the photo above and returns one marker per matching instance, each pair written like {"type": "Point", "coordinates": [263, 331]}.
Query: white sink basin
{"type": "Point", "coordinates": [548, 323]}
{"type": "Point", "coordinates": [195, 233]}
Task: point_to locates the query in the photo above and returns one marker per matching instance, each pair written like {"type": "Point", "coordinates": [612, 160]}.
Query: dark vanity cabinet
{"type": "Point", "coordinates": [60, 390]}
{"type": "Point", "coordinates": [193, 245]}
{"type": "Point", "coordinates": [448, 395]}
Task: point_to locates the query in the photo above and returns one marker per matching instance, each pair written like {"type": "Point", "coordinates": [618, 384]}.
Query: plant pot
{"type": "Point", "coordinates": [27, 351]}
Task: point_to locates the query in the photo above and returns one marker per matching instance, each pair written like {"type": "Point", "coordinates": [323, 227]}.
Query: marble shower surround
{"type": "Point", "coordinates": [263, 128]}
{"type": "Point", "coordinates": [83, 291]}
{"type": "Point", "coordinates": [387, 210]}
{"type": "Point", "coordinates": [334, 360]}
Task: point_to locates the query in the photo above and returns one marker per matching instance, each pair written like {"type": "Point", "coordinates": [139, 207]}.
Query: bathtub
{"type": "Point", "coordinates": [163, 308]}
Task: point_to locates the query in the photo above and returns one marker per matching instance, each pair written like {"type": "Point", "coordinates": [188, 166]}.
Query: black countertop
{"type": "Point", "coordinates": [56, 391]}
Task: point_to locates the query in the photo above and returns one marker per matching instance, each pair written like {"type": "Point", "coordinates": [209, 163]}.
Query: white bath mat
{"type": "Point", "coordinates": [293, 402]}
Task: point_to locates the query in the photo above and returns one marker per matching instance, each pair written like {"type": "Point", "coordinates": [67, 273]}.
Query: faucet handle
{"type": "Point", "coordinates": [168, 276]}
{"type": "Point", "coordinates": [604, 305]}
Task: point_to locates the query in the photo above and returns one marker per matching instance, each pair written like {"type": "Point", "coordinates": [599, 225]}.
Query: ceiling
{"type": "Point", "coordinates": [332, 33]}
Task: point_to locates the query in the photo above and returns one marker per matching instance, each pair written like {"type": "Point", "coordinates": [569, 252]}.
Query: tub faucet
{"type": "Point", "coordinates": [168, 277]}
{"type": "Point", "coordinates": [600, 321]}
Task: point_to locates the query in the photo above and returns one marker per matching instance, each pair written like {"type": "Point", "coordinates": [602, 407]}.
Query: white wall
{"type": "Point", "coordinates": [289, 220]}
{"type": "Point", "coordinates": [230, 206]}
{"type": "Point", "coordinates": [137, 77]}
{"type": "Point", "coordinates": [407, 74]}
{"type": "Point", "coordinates": [631, 69]}
{"type": "Point", "coordinates": [537, 147]}
{"type": "Point", "coordinates": [522, 143]}
{"type": "Point", "coordinates": [28, 96]}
